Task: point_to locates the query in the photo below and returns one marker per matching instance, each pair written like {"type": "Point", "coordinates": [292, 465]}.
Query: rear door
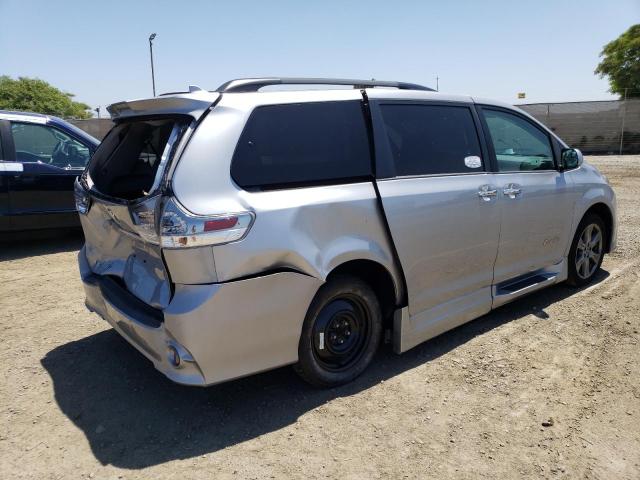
{"type": "Point", "coordinates": [535, 199]}
{"type": "Point", "coordinates": [41, 194]}
{"type": "Point", "coordinates": [440, 204]}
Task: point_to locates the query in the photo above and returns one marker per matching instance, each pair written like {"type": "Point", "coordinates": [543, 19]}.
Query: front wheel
{"type": "Point", "coordinates": [587, 250]}
{"type": "Point", "coordinates": [340, 334]}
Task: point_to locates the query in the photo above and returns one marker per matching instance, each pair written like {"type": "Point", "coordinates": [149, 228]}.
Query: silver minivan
{"type": "Point", "coordinates": [255, 226]}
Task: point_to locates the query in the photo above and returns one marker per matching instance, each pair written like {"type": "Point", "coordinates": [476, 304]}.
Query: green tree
{"type": "Point", "coordinates": [621, 63]}
{"type": "Point", "coordinates": [35, 95]}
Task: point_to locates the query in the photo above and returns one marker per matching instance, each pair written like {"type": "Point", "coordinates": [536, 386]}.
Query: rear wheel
{"type": "Point", "coordinates": [587, 250]}
{"type": "Point", "coordinates": [340, 334]}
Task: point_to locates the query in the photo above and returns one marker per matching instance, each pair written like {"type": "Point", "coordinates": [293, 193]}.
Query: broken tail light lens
{"type": "Point", "coordinates": [83, 200]}
{"type": "Point", "coordinates": [180, 229]}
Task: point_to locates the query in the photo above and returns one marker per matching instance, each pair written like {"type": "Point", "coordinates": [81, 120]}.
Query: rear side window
{"type": "Point", "coordinates": [128, 159]}
{"type": "Point", "coordinates": [432, 139]}
{"type": "Point", "coordinates": [302, 143]}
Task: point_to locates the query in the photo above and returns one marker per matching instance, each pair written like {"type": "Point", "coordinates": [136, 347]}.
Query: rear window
{"type": "Point", "coordinates": [432, 139]}
{"type": "Point", "coordinates": [127, 161]}
{"type": "Point", "coordinates": [302, 144]}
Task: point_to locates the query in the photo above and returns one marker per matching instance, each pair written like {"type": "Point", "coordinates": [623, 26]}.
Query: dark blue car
{"type": "Point", "coordinates": [40, 157]}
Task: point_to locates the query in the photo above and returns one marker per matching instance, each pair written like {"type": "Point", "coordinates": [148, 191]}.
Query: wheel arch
{"type": "Point", "coordinates": [603, 211]}
{"type": "Point", "coordinates": [381, 281]}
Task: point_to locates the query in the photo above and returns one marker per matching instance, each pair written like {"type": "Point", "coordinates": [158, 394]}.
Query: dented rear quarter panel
{"type": "Point", "coordinates": [310, 230]}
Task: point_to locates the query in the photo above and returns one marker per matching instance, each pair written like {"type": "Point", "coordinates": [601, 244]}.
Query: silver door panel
{"type": "Point", "coordinates": [446, 236]}
{"type": "Point", "coordinates": [536, 210]}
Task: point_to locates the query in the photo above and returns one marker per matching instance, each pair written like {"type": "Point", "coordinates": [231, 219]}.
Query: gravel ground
{"type": "Point", "coordinates": [548, 386]}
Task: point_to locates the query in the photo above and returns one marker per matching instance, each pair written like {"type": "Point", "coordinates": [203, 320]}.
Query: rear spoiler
{"type": "Point", "coordinates": [192, 104]}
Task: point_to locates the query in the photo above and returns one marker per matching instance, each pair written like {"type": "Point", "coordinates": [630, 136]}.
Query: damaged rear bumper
{"type": "Point", "coordinates": [220, 331]}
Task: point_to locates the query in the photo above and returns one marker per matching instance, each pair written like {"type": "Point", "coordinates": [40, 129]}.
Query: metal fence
{"type": "Point", "coordinates": [604, 127]}
{"type": "Point", "coordinates": [98, 127]}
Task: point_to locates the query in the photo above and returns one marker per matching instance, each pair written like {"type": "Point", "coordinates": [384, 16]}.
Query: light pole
{"type": "Point", "coordinates": [153, 78]}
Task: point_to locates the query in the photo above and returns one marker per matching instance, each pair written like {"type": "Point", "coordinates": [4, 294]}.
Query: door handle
{"type": "Point", "coordinates": [512, 190]}
{"type": "Point", "coordinates": [485, 192]}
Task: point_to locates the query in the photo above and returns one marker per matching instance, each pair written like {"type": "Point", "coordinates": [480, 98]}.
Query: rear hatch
{"type": "Point", "coordinates": [120, 194]}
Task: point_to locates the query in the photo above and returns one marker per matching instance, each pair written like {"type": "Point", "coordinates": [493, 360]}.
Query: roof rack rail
{"type": "Point", "coordinates": [255, 84]}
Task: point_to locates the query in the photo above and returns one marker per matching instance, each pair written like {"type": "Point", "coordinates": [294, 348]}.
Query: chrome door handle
{"type": "Point", "coordinates": [486, 192]}
{"type": "Point", "coordinates": [512, 190]}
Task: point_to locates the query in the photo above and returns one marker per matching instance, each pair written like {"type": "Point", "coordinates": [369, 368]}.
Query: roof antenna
{"type": "Point", "coordinates": [195, 88]}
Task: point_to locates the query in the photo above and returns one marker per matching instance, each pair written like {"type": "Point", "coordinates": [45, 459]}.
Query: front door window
{"type": "Point", "coordinates": [48, 145]}
{"type": "Point", "coordinates": [519, 145]}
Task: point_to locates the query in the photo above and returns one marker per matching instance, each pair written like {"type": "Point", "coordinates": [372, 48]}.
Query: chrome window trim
{"type": "Point", "coordinates": [434, 175]}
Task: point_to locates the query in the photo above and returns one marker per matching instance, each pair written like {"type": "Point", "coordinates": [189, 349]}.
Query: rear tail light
{"type": "Point", "coordinates": [180, 229]}
{"type": "Point", "coordinates": [83, 200]}
{"type": "Point", "coordinates": [144, 218]}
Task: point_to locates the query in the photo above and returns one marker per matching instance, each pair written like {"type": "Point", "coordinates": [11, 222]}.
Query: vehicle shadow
{"type": "Point", "coordinates": [133, 417]}
{"type": "Point", "coordinates": [14, 246]}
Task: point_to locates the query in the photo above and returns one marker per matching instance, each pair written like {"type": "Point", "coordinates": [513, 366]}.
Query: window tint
{"type": "Point", "coordinates": [302, 143]}
{"type": "Point", "coordinates": [519, 145]}
{"type": "Point", "coordinates": [39, 143]}
{"type": "Point", "coordinates": [432, 139]}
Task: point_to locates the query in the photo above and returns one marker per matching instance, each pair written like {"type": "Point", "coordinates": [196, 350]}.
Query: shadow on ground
{"type": "Point", "coordinates": [14, 246]}
{"type": "Point", "coordinates": [134, 418]}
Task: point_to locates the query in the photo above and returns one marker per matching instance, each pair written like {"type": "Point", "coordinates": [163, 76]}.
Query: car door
{"type": "Point", "coordinates": [7, 168]}
{"type": "Point", "coordinates": [440, 205]}
{"type": "Point", "coordinates": [41, 195]}
{"type": "Point", "coordinates": [536, 200]}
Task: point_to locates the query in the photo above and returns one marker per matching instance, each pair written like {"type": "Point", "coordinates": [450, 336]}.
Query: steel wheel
{"type": "Point", "coordinates": [589, 251]}
{"type": "Point", "coordinates": [340, 333]}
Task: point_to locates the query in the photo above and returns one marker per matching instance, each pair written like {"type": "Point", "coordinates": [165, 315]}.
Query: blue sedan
{"type": "Point", "coordinates": [40, 157]}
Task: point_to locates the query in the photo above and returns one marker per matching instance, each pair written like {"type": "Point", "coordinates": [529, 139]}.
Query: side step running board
{"type": "Point", "coordinates": [525, 284]}
{"type": "Point", "coordinates": [515, 288]}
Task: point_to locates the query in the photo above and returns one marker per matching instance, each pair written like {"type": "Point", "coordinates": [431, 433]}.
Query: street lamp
{"type": "Point", "coordinates": [153, 78]}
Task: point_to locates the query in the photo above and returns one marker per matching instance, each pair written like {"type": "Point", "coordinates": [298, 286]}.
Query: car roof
{"type": "Point", "coordinates": [323, 89]}
{"type": "Point", "coordinates": [43, 119]}
{"type": "Point", "coordinates": [24, 116]}
{"type": "Point", "coordinates": [391, 94]}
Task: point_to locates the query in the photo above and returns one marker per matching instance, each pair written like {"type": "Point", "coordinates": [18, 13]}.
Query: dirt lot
{"type": "Point", "coordinates": [77, 401]}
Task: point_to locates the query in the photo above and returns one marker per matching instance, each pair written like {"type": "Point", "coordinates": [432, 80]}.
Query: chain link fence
{"type": "Point", "coordinates": [601, 127]}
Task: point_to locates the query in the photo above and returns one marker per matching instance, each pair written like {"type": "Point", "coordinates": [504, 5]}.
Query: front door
{"type": "Point", "coordinates": [440, 204]}
{"type": "Point", "coordinates": [41, 195]}
{"type": "Point", "coordinates": [7, 168]}
{"type": "Point", "coordinates": [536, 200]}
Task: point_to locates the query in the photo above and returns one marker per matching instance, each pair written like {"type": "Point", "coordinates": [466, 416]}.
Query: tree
{"type": "Point", "coordinates": [35, 95]}
{"type": "Point", "coordinates": [621, 63]}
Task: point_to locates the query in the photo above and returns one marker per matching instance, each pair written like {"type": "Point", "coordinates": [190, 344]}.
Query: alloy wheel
{"type": "Point", "coordinates": [589, 251]}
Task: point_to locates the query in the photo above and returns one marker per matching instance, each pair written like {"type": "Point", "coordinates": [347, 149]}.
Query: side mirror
{"type": "Point", "coordinates": [570, 158]}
